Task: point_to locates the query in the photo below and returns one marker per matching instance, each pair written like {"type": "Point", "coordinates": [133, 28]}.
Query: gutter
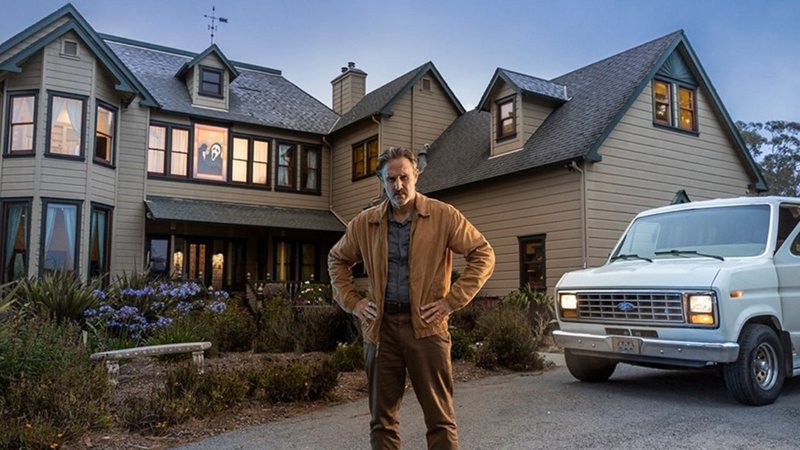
{"type": "Point", "coordinates": [330, 183]}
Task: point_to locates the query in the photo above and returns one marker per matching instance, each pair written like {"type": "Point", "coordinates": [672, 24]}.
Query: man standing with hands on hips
{"type": "Point", "coordinates": [406, 244]}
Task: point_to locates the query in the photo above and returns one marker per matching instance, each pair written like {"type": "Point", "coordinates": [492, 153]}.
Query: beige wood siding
{"type": "Point", "coordinates": [17, 179]}
{"type": "Point", "coordinates": [29, 78]}
{"type": "Point", "coordinates": [349, 197]}
{"type": "Point", "coordinates": [103, 179]}
{"type": "Point", "coordinates": [498, 148]}
{"type": "Point", "coordinates": [396, 130]}
{"type": "Point", "coordinates": [69, 74]}
{"type": "Point", "coordinates": [643, 166]}
{"type": "Point", "coordinates": [523, 205]}
{"type": "Point", "coordinates": [32, 39]}
{"type": "Point", "coordinates": [534, 112]}
{"type": "Point", "coordinates": [127, 243]}
{"type": "Point", "coordinates": [202, 100]}
{"type": "Point", "coordinates": [432, 113]}
{"type": "Point", "coordinates": [347, 91]}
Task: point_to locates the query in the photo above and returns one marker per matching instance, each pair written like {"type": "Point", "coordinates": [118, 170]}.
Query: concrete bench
{"type": "Point", "coordinates": [112, 357]}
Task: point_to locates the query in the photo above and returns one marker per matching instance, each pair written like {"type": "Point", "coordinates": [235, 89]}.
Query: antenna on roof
{"type": "Point", "coordinates": [213, 27]}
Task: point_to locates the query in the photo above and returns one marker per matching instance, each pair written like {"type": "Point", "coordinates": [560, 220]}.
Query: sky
{"type": "Point", "coordinates": [749, 49]}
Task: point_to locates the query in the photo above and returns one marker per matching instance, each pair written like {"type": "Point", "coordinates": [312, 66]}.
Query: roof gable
{"type": "Point", "coordinates": [382, 100]}
{"type": "Point", "coordinates": [526, 85]}
{"type": "Point", "coordinates": [126, 81]}
{"type": "Point", "coordinates": [675, 68]}
{"type": "Point", "coordinates": [213, 49]}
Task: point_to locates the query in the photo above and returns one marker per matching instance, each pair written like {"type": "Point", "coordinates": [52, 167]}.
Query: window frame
{"type": "Point", "coordinates": [675, 87]}
{"type": "Point", "coordinates": [7, 152]}
{"type": "Point", "coordinates": [304, 151]}
{"type": "Point", "coordinates": [365, 145]}
{"type": "Point", "coordinates": [67, 95]}
{"type": "Point", "coordinates": [522, 241]}
{"type": "Point", "coordinates": [668, 123]}
{"type": "Point", "coordinates": [295, 262]}
{"type": "Point", "coordinates": [499, 136]}
{"type": "Point", "coordinates": [4, 205]}
{"type": "Point", "coordinates": [113, 150]}
{"type": "Point", "coordinates": [109, 210]}
{"type": "Point", "coordinates": [251, 146]}
{"type": "Point", "coordinates": [200, 82]}
{"type": "Point", "coordinates": [293, 167]}
{"type": "Point", "coordinates": [169, 127]}
{"type": "Point", "coordinates": [232, 157]}
{"type": "Point", "coordinates": [148, 242]}
{"type": "Point", "coordinates": [47, 201]}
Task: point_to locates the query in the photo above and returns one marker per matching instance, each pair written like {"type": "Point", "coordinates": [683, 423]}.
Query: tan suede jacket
{"type": "Point", "coordinates": [437, 230]}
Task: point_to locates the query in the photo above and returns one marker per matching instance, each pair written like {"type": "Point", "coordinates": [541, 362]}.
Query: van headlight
{"type": "Point", "coordinates": [569, 305]}
{"type": "Point", "coordinates": [701, 309]}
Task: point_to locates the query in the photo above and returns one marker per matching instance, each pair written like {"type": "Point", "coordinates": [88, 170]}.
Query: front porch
{"type": "Point", "coordinates": [221, 244]}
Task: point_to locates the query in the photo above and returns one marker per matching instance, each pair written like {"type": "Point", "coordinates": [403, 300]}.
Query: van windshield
{"type": "Point", "coordinates": [727, 231]}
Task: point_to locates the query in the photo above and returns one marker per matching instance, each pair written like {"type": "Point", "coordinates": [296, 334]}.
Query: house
{"type": "Point", "coordinates": [205, 167]}
{"type": "Point", "coordinates": [552, 171]}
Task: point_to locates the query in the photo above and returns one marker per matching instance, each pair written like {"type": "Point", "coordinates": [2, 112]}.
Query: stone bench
{"type": "Point", "coordinates": [112, 357]}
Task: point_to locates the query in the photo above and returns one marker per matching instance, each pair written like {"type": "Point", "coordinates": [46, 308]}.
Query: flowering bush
{"type": "Point", "coordinates": [314, 294]}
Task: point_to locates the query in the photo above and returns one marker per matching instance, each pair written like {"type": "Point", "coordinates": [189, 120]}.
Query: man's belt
{"type": "Point", "coordinates": [397, 307]}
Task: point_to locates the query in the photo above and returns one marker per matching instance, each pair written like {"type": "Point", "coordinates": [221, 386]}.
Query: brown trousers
{"type": "Point", "coordinates": [428, 363]}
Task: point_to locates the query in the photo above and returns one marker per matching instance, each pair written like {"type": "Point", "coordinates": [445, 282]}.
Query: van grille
{"type": "Point", "coordinates": [643, 307]}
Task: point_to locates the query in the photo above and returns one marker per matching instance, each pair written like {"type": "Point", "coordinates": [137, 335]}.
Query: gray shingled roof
{"type": "Point", "coordinates": [381, 100]}
{"type": "Point", "coordinates": [169, 208]}
{"type": "Point", "coordinates": [598, 92]}
{"type": "Point", "coordinates": [526, 84]}
{"type": "Point", "coordinates": [256, 97]}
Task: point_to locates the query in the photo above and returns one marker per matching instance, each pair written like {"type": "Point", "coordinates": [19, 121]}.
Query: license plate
{"type": "Point", "coordinates": [626, 345]}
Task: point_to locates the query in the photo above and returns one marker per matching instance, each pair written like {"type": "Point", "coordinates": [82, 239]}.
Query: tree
{"type": "Point", "coordinates": [775, 145]}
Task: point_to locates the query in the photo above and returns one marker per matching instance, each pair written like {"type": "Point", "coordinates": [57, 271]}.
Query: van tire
{"type": "Point", "coordinates": [757, 375]}
{"type": "Point", "coordinates": [589, 368]}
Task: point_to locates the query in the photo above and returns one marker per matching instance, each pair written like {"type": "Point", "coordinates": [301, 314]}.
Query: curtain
{"type": "Point", "coordinates": [51, 224]}
{"type": "Point", "coordinates": [69, 223]}
{"type": "Point", "coordinates": [101, 219]}
{"type": "Point", "coordinates": [311, 164]}
{"type": "Point", "coordinates": [284, 160]}
{"type": "Point", "coordinates": [75, 111]}
{"type": "Point", "coordinates": [12, 228]}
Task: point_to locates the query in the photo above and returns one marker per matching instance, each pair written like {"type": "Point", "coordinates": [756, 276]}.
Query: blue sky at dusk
{"type": "Point", "coordinates": [750, 49]}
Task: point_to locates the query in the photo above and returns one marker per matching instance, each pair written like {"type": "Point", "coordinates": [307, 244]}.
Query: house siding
{"type": "Point", "coordinates": [210, 102]}
{"type": "Point", "coordinates": [533, 113]}
{"type": "Point", "coordinates": [539, 202]}
{"type": "Point", "coordinates": [432, 113]}
{"type": "Point", "coordinates": [350, 197]}
{"type": "Point", "coordinates": [643, 167]}
{"type": "Point", "coordinates": [33, 38]}
{"type": "Point", "coordinates": [503, 90]}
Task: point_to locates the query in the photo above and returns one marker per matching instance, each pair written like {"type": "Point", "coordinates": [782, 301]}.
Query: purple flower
{"type": "Point", "coordinates": [89, 312]}
{"type": "Point", "coordinates": [99, 293]}
{"type": "Point", "coordinates": [184, 307]}
{"type": "Point", "coordinates": [217, 307]}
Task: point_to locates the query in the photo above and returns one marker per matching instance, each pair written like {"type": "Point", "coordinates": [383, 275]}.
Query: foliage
{"type": "Point", "coordinates": [301, 329]}
{"type": "Point", "coordinates": [296, 381]}
{"type": "Point", "coordinates": [315, 294]}
{"type": "Point", "coordinates": [232, 330]}
{"type": "Point", "coordinates": [539, 307]}
{"type": "Point", "coordinates": [8, 296]}
{"type": "Point", "coordinates": [506, 340]}
{"type": "Point", "coordinates": [462, 342]}
{"type": "Point", "coordinates": [348, 357]}
{"type": "Point", "coordinates": [58, 295]}
{"type": "Point", "coordinates": [467, 318]}
{"type": "Point", "coordinates": [776, 146]}
{"type": "Point", "coordinates": [276, 330]}
{"type": "Point", "coordinates": [49, 390]}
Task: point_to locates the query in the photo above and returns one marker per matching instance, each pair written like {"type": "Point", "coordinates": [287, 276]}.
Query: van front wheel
{"type": "Point", "coordinates": [589, 368]}
{"type": "Point", "coordinates": [756, 377]}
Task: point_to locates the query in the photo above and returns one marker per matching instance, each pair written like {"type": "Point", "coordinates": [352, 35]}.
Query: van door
{"type": "Point", "coordinates": [787, 266]}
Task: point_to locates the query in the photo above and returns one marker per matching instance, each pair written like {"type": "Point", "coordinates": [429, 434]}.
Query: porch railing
{"type": "Point", "coordinates": [256, 291]}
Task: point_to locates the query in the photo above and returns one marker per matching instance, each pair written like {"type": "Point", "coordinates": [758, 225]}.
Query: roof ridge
{"type": "Point", "coordinates": [526, 75]}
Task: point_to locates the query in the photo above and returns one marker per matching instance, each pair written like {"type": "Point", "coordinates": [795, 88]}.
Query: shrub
{"type": "Point", "coordinates": [58, 295]}
{"type": "Point", "coordinates": [507, 340]}
{"type": "Point", "coordinates": [467, 318]}
{"type": "Point", "coordinates": [154, 413]}
{"type": "Point", "coordinates": [462, 342]}
{"type": "Point", "coordinates": [233, 330]}
{"type": "Point", "coordinates": [320, 328]}
{"type": "Point", "coordinates": [539, 308]}
{"type": "Point", "coordinates": [276, 330]}
{"type": "Point", "coordinates": [348, 357]}
{"type": "Point", "coordinates": [315, 294]}
{"type": "Point", "coordinates": [296, 381]}
{"type": "Point", "coordinates": [49, 390]}
{"type": "Point", "coordinates": [206, 393]}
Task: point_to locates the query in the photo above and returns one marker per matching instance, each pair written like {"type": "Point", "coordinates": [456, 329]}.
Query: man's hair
{"type": "Point", "coordinates": [395, 153]}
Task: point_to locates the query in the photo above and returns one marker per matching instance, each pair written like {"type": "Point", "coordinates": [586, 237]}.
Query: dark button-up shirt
{"type": "Point", "coordinates": [397, 282]}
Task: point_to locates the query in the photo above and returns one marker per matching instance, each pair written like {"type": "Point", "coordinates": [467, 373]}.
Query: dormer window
{"type": "Point", "coordinates": [210, 82]}
{"type": "Point", "coordinates": [506, 113]}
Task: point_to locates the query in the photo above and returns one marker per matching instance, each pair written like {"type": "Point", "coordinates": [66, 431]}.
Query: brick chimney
{"type": "Point", "coordinates": [348, 88]}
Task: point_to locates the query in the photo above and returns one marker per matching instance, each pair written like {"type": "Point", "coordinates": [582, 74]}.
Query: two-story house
{"type": "Point", "coordinates": [205, 167]}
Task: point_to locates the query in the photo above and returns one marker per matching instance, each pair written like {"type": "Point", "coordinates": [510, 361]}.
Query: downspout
{"type": "Point", "coordinates": [584, 222]}
{"type": "Point", "coordinates": [330, 182]}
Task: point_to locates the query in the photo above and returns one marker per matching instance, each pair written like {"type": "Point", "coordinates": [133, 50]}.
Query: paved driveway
{"type": "Point", "coordinates": [637, 409]}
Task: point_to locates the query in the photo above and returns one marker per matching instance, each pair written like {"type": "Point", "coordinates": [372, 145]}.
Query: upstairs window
{"type": "Point", "coordinates": [286, 166]}
{"type": "Point", "coordinates": [249, 161]}
{"type": "Point", "coordinates": [365, 158]}
{"type": "Point", "coordinates": [21, 123]}
{"type": "Point", "coordinates": [506, 123]}
{"type": "Point", "coordinates": [66, 125]}
{"type": "Point", "coordinates": [210, 152]}
{"type": "Point", "coordinates": [674, 105]}
{"type": "Point", "coordinates": [211, 82]}
{"type": "Point", "coordinates": [156, 149]}
{"type": "Point", "coordinates": [309, 180]}
{"type": "Point", "coordinates": [179, 152]}
{"type": "Point", "coordinates": [104, 134]}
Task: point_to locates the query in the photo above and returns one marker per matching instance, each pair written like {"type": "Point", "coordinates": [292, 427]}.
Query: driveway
{"type": "Point", "coordinates": [637, 409]}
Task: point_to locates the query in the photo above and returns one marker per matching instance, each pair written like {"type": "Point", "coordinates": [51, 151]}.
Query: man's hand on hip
{"type": "Point", "coordinates": [435, 311]}
{"type": "Point", "coordinates": [366, 310]}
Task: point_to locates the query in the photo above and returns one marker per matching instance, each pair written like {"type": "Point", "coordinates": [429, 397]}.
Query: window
{"type": "Point", "coordinates": [16, 226]}
{"type": "Point", "coordinates": [210, 152]}
{"type": "Point", "coordinates": [69, 48]}
{"type": "Point", "coordinates": [365, 158]}
{"type": "Point", "coordinates": [674, 105]}
{"type": "Point", "coordinates": [240, 150]}
{"type": "Point", "coordinates": [532, 262]}
{"type": "Point", "coordinates": [250, 161]}
{"type": "Point", "coordinates": [309, 180]}
{"type": "Point", "coordinates": [156, 149]}
{"type": "Point", "coordinates": [426, 84]}
{"type": "Point", "coordinates": [21, 123]}
{"type": "Point", "coordinates": [100, 242]}
{"type": "Point", "coordinates": [61, 232]}
{"type": "Point", "coordinates": [260, 159]}
{"type": "Point", "coordinates": [296, 258]}
{"type": "Point", "coordinates": [506, 124]}
{"type": "Point", "coordinates": [210, 82]}
{"type": "Point", "coordinates": [104, 133]}
{"type": "Point", "coordinates": [157, 256]}
{"type": "Point", "coordinates": [179, 152]}
{"type": "Point", "coordinates": [286, 165]}
{"type": "Point", "coordinates": [66, 125]}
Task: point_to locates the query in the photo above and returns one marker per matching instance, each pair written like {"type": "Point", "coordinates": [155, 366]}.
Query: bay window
{"type": "Point", "coordinates": [21, 130]}
{"type": "Point", "coordinates": [67, 116]}
{"type": "Point", "coordinates": [16, 224]}
{"type": "Point", "coordinates": [100, 242]}
{"type": "Point", "coordinates": [60, 235]}
{"type": "Point", "coordinates": [106, 125]}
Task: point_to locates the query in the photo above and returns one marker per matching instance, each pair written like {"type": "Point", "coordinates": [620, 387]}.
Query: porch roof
{"type": "Point", "coordinates": [170, 208]}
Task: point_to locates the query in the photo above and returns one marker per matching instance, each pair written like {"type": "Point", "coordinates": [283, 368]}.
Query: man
{"type": "Point", "coordinates": [406, 245]}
